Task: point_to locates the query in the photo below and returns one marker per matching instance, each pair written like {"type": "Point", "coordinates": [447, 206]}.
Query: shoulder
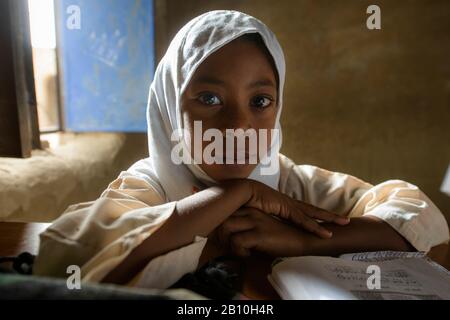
{"type": "Point", "coordinates": [296, 179]}
{"type": "Point", "coordinates": [141, 176]}
{"type": "Point", "coordinates": [290, 181]}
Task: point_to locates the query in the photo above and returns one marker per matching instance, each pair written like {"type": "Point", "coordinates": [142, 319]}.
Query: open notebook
{"type": "Point", "coordinates": [402, 275]}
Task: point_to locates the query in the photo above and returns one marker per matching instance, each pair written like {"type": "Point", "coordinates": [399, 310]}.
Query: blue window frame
{"type": "Point", "coordinates": [106, 65]}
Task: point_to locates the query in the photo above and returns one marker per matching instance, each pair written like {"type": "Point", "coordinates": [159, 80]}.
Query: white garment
{"type": "Point", "coordinates": [99, 235]}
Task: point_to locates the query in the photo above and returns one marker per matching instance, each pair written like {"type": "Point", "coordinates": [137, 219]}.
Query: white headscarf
{"type": "Point", "coordinates": [199, 38]}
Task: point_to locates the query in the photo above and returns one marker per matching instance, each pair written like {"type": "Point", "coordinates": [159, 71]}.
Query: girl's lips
{"type": "Point", "coordinates": [239, 160]}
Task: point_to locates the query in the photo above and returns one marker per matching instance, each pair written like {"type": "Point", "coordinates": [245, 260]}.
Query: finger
{"type": "Point", "coordinates": [322, 214]}
{"type": "Point", "coordinates": [243, 242]}
{"type": "Point", "coordinates": [245, 211]}
{"type": "Point", "coordinates": [315, 227]}
{"type": "Point", "coordinates": [232, 225]}
{"type": "Point", "coordinates": [310, 225]}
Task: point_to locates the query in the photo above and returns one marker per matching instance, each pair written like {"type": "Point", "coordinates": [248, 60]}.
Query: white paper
{"type": "Point", "coordinates": [335, 278]}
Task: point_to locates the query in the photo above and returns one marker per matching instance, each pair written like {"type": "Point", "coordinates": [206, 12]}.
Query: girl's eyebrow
{"type": "Point", "coordinates": [261, 83]}
{"type": "Point", "coordinates": [258, 83]}
{"type": "Point", "coordinates": [209, 80]}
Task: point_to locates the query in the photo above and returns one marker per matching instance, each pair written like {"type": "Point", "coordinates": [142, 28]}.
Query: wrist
{"type": "Point", "coordinates": [309, 244]}
{"type": "Point", "coordinates": [241, 189]}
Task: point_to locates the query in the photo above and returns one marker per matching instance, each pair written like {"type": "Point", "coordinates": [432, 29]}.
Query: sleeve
{"type": "Point", "coordinates": [401, 204]}
{"type": "Point", "coordinates": [97, 236]}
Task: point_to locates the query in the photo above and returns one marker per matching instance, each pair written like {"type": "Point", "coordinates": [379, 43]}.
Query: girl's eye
{"type": "Point", "coordinates": [209, 99]}
{"type": "Point", "coordinates": [261, 102]}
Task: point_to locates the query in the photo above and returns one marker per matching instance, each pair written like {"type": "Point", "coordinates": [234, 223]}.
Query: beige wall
{"type": "Point", "coordinates": [40, 188]}
{"type": "Point", "coordinates": [375, 104]}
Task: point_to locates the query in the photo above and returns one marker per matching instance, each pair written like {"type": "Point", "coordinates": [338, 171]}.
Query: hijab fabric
{"type": "Point", "coordinates": [198, 39]}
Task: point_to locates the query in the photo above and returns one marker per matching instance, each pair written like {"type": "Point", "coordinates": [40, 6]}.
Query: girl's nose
{"type": "Point", "coordinates": [235, 117]}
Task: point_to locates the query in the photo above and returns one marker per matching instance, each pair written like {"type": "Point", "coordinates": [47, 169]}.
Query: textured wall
{"type": "Point", "coordinates": [375, 104]}
{"type": "Point", "coordinates": [40, 188]}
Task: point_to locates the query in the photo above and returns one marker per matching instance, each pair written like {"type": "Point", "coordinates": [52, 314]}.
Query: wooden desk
{"type": "Point", "coordinates": [19, 237]}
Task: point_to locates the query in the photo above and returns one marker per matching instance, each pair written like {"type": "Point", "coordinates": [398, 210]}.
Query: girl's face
{"type": "Point", "coordinates": [234, 88]}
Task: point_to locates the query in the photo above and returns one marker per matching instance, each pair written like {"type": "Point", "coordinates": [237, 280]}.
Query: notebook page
{"type": "Point", "coordinates": [334, 278]}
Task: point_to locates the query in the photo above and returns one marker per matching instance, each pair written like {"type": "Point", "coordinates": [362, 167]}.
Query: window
{"type": "Point", "coordinates": [43, 41]}
{"type": "Point", "coordinates": [19, 132]}
{"type": "Point", "coordinates": [106, 63]}
{"type": "Point", "coordinates": [93, 64]}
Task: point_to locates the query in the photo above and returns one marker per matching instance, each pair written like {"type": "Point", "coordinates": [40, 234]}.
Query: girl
{"type": "Point", "coordinates": [156, 221]}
